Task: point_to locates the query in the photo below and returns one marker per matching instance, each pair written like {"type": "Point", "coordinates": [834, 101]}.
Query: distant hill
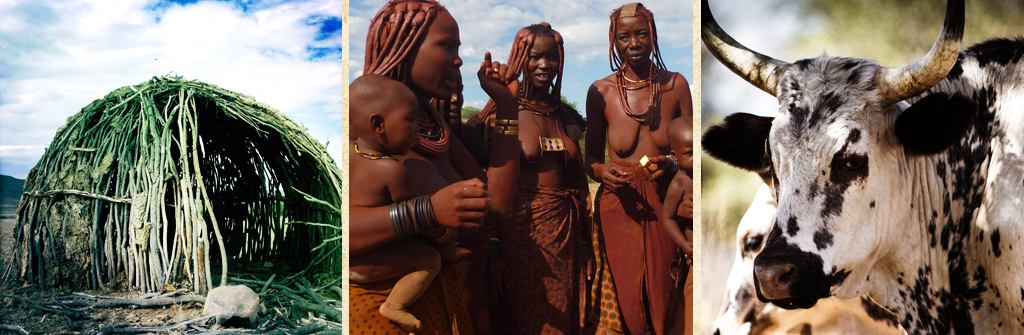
{"type": "Point", "coordinates": [10, 193]}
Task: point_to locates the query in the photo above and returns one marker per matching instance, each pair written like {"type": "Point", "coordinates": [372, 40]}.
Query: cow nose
{"type": "Point", "coordinates": [775, 279]}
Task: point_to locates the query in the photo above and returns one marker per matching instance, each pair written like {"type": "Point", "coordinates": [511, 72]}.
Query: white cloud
{"type": "Point", "coordinates": [58, 57]}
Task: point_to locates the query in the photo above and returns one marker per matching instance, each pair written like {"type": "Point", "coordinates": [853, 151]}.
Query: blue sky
{"type": "Point", "coordinates": [56, 57]}
{"type": "Point", "coordinates": [490, 25]}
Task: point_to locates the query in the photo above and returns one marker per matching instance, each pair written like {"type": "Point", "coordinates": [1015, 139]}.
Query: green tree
{"type": "Point", "coordinates": [896, 33]}
{"type": "Point", "coordinates": [469, 111]}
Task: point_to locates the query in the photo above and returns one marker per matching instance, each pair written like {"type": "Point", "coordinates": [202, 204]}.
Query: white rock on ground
{"type": "Point", "coordinates": [237, 301]}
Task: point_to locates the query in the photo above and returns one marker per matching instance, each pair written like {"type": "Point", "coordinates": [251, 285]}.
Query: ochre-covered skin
{"type": "Point", "coordinates": [383, 121]}
{"type": "Point", "coordinates": [629, 200]}
{"type": "Point", "coordinates": [416, 42]}
{"type": "Point", "coordinates": [545, 247]}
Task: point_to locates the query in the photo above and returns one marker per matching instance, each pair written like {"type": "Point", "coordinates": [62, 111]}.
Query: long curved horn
{"type": "Point", "coordinates": [759, 70]}
{"type": "Point", "coordinates": [899, 83]}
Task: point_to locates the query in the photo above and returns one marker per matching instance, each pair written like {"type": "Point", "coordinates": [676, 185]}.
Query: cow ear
{"type": "Point", "coordinates": [740, 141]}
{"type": "Point", "coordinates": [934, 123]}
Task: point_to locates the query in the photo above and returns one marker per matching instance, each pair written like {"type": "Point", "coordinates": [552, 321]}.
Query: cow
{"type": "Point", "coordinates": [905, 184]}
{"type": "Point", "coordinates": [743, 314]}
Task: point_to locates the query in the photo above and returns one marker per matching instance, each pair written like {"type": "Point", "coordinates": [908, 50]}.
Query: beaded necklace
{"type": "Point", "coordinates": [369, 155]}
{"type": "Point", "coordinates": [536, 110]}
{"type": "Point", "coordinates": [624, 84]}
{"type": "Point", "coordinates": [433, 133]}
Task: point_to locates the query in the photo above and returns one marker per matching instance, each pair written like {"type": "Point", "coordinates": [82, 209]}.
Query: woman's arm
{"type": "Point", "coordinates": [597, 128]}
{"type": "Point", "coordinates": [460, 205]}
{"type": "Point", "coordinates": [685, 100]}
{"type": "Point", "coordinates": [503, 168]}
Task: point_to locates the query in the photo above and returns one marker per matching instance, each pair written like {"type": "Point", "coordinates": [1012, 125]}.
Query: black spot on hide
{"type": "Point", "coordinates": [878, 313]}
{"type": "Point", "coordinates": [845, 168]}
{"type": "Point", "coordinates": [825, 106]}
{"type": "Point", "coordinates": [995, 243]}
{"type": "Point", "coordinates": [791, 227]}
{"type": "Point", "coordinates": [839, 277]}
{"type": "Point", "coordinates": [999, 51]}
{"type": "Point", "coordinates": [822, 238]}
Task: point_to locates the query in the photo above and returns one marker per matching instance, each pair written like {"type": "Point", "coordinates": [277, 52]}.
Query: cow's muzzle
{"type": "Point", "coordinates": [790, 278]}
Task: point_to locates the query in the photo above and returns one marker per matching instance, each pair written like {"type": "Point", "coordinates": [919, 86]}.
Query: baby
{"type": "Point", "coordinates": [679, 197]}
{"type": "Point", "coordinates": [677, 215]}
{"type": "Point", "coordinates": [383, 123]}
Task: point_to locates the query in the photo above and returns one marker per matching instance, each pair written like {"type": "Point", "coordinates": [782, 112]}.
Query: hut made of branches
{"type": "Point", "coordinates": [167, 182]}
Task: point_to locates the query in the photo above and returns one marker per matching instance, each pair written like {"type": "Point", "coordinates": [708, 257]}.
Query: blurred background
{"type": "Point", "coordinates": [890, 32]}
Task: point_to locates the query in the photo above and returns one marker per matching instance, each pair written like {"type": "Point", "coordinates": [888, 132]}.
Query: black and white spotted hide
{"type": "Point", "coordinates": [918, 204]}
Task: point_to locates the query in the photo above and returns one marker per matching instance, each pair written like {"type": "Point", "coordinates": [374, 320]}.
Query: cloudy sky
{"type": "Point", "coordinates": [490, 25]}
{"type": "Point", "coordinates": [57, 56]}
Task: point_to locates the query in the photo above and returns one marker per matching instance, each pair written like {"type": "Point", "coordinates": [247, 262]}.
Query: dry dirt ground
{"type": "Point", "coordinates": [31, 308]}
{"type": "Point", "coordinates": [36, 321]}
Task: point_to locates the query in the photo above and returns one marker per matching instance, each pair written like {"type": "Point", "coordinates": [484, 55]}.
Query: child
{"type": "Point", "coordinates": [383, 123]}
{"type": "Point", "coordinates": [677, 218]}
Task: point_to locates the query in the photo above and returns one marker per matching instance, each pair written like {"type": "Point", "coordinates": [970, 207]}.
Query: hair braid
{"type": "Point", "coordinates": [398, 29]}
{"type": "Point", "coordinates": [518, 60]}
{"type": "Point", "coordinates": [617, 61]}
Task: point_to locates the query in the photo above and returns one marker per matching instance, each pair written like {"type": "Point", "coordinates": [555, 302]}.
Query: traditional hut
{"type": "Point", "coordinates": [171, 180]}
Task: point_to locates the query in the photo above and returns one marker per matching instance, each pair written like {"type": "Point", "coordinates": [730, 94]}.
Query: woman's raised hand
{"type": "Point", "coordinates": [496, 79]}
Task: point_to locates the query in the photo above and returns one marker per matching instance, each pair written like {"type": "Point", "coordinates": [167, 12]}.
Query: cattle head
{"type": "Point", "coordinates": [839, 153]}
{"type": "Point", "coordinates": [743, 314]}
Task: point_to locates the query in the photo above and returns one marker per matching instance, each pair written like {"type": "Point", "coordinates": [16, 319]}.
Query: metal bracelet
{"type": "Point", "coordinates": [506, 130]}
{"type": "Point", "coordinates": [504, 122]}
{"type": "Point", "coordinates": [424, 214]}
{"type": "Point", "coordinates": [400, 220]}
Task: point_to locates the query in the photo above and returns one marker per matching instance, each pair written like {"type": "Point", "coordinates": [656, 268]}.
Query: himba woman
{"type": "Point", "coordinates": [545, 245]}
{"type": "Point", "coordinates": [634, 106]}
{"type": "Point", "coordinates": [416, 42]}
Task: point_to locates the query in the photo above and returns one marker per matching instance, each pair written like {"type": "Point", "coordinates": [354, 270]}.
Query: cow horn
{"type": "Point", "coordinates": [899, 83]}
{"type": "Point", "coordinates": [760, 70]}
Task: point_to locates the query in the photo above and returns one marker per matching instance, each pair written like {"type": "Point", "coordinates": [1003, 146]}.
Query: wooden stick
{"type": "Point", "coordinates": [12, 328]}
{"type": "Point", "coordinates": [332, 312]}
{"type": "Point", "coordinates": [74, 315]}
{"type": "Point", "coordinates": [123, 328]}
{"type": "Point", "coordinates": [306, 329]}
{"type": "Point", "coordinates": [138, 302]}
{"type": "Point", "coordinates": [52, 193]}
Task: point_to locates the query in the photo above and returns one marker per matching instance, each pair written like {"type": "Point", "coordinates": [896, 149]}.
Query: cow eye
{"type": "Point", "coordinates": [855, 163]}
{"type": "Point", "coordinates": [752, 243]}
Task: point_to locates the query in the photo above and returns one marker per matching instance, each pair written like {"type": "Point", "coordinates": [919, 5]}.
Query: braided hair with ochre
{"type": "Point", "coordinates": [395, 32]}
{"type": "Point", "coordinates": [618, 63]}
